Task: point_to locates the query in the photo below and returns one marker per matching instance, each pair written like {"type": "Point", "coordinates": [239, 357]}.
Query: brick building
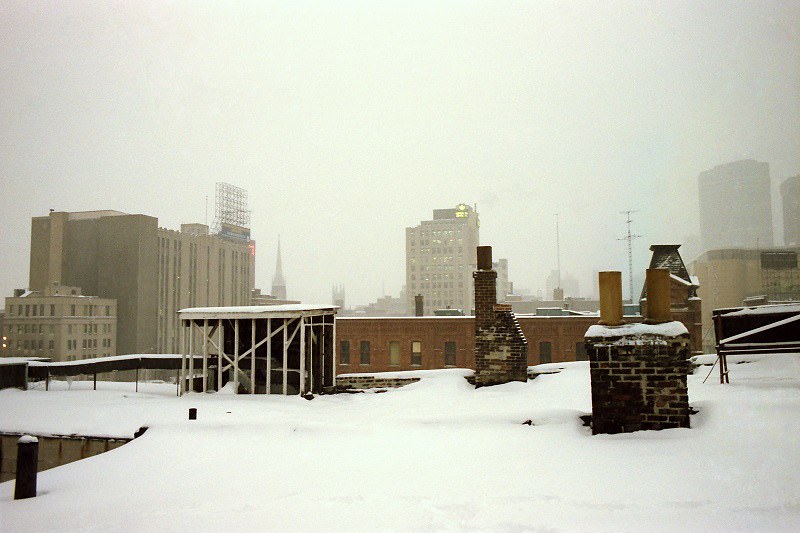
{"type": "Point", "coordinates": [389, 344]}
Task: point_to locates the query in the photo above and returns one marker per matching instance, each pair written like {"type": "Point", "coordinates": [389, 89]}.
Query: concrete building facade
{"type": "Point", "coordinates": [728, 277]}
{"type": "Point", "coordinates": [151, 272]}
{"type": "Point", "coordinates": [790, 197]}
{"type": "Point", "coordinates": [440, 259]}
{"type": "Point", "coordinates": [60, 323]}
{"type": "Point", "coordinates": [736, 206]}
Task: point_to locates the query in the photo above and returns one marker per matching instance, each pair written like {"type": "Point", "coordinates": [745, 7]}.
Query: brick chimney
{"type": "Point", "coordinates": [419, 305]}
{"type": "Point", "coordinates": [501, 351]}
{"type": "Point", "coordinates": [485, 287]}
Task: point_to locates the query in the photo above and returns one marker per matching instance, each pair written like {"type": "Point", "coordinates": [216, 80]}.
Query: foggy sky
{"type": "Point", "coordinates": [348, 123]}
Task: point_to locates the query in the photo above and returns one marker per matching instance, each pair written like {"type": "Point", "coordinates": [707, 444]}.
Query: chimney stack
{"type": "Point", "coordinates": [485, 287]}
{"type": "Point", "coordinates": [658, 297]}
{"type": "Point", "coordinates": [418, 305]}
{"type": "Point", "coordinates": [610, 298]}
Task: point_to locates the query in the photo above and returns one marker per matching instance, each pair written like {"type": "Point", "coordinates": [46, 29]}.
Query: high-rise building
{"type": "Point", "coordinates": [151, 272]}
{"type": "Point", "coordinates": [736, 206]}
{"type": "Point", "coordinates": [278, 283]}
{"type": "Point", "coordinates": [440, 259]}
{"type": "Point", "coordinates": [790, 194]}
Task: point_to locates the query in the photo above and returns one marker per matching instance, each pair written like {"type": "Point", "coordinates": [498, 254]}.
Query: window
{"type": "Point", "coordinates": [394, 353]}
{"type": "Point", "coordinates": [41, 309]}
{"type": "Point", "coordinates": [344, 353]}
{"type": "Point", "coordinates": [33, 311]}
{"type": "Point", "coordinates": [580, 352]}
{"type": "Point", "coordinates": [27, 310]}
{"type": "Point", "coordinates": [52, 309]}
{"type": "Point", "coordinates": [108, 310]}
{"type": "Point", "coordinates": [545, 352]}
{"type": "Point", "coordinates": [416, 353]}
{"type": "Point", "coordinates": [51, 345]}
{"type": "Point", "coordinates": [364, 352]}
{"type": "Point", "coordinates": [449, 353]}
{"type": "Point", "coordinates": [72, 310]}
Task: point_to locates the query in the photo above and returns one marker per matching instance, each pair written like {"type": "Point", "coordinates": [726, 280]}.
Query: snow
{"type": "Point", "coordinates": [766, 309]}
{"type": "Point", "coordinates": [667, 329]}
{"type": "Point", "coordinates": [22, 360]}
{"type": "Point", "coordinates": [109, 358]}
{"type": "Point", "coordinates": [258, 309]}
{"type": "Point", "coordinates": [433, 455]}
{"type": "Point", "coordinates": [27, 439]}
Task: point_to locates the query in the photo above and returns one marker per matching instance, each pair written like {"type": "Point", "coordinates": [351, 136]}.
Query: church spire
{"type": "Point", "coordinates": [278, 283]}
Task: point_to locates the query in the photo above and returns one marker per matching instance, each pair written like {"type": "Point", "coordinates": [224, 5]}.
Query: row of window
{"type": "Point", "coordinates": [394, 353]}
{"type": "Point", "coordinates": [40, 328]}
{"type": "Point", "coordinates": [545, 352]}
{"type": "Point", "coordinates": [39, 310]}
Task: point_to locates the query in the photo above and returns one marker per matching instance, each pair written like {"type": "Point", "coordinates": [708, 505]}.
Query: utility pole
{"type": "Point", "coordinates": [629, 237]}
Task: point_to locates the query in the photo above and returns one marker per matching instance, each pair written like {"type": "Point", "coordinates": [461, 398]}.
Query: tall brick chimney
{"type": "Point", "coordinates": [485, 287]}
{"type": "Point", "coordinates": [419, 305]}
{"type": "Point", "coordinates": [501, 351]}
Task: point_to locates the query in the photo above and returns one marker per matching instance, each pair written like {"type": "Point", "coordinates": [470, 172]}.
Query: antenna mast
{"type": "Point", "coordinates": [629, 237]}
{"type": "Point", "coordinates": [558, 252]}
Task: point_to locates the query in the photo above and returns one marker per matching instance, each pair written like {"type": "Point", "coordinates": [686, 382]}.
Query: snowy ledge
{"type": "Point", "coordinates": [667, 329]}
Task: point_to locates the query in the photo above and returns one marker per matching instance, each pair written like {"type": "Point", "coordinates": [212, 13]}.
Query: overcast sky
{"type": "Point", "coordinates": [349, 121]}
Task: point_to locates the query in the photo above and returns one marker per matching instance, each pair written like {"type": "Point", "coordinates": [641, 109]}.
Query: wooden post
{"type": "Point", "coordinates": [191, 356]}
{"type": "Point", "coordinates": [205, 355]}
{"type": "Point", "coordinates": [285, 358]}
{"type": "Point", "coordinates": [182, 343]}
{"type": "Point", "coordinates": [269, 356]}
{"type": "Point", "coordinates": [302, 355]}
{"type": "Point", "coordinates": [27, 467]}
{"type": "Point", "coordinates": [219, 355]}
{"type": "Point", "coordinates": [137, 378]}
{"type": "Point", "coordinates": [47, 380]}
{"type": "Point", "coordinates": [333, 344]}
{"type": "Point", "coordinates": [95, 381]}
{"type": "Point", "coordinates": [236, 356]}
{"type": "Point", "coordinates": [253, 356]}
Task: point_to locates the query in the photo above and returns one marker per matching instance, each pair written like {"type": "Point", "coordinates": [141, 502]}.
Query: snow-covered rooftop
{"type": "Point", "coordinates": [257, 311]}
{"type": "Point", "coordinates": [667, 329]}
{"type": "Point", "coordinates": [434, 455]}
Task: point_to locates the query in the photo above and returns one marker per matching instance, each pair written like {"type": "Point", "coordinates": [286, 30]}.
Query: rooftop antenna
{"type": "Point", "coordinates": [558, 252]}
{"type": "Point", "coordinates": [629, 237]}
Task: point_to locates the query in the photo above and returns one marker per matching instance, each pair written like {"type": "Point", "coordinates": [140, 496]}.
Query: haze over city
{"type": "Point", "coordinates": [348, 123]}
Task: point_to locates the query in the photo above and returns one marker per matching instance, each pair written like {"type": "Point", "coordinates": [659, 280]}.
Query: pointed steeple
{"type": "Point", "coordinates": [278, 283]}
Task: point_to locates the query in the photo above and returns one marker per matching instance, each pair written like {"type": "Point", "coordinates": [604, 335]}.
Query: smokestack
{"type": "Point", "coordinates": [418, 305]}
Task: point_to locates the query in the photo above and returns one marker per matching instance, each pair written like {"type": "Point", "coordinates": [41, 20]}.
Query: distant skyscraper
{"type": "Point", "coordinates": [790, 192]}
{"type": "Point", "coordinates": [440, 259]}
{"type": "Point", "coordinates": [337, 295]}
{"type": "Point", "coordinates": [736, 206]}
{"type": "Point", "coordinates": [278, 283]}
